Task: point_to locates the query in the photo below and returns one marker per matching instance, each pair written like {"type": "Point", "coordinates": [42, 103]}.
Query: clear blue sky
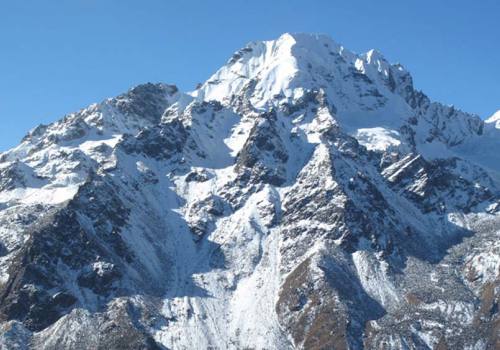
{"type": "Point", "coordinates": [57, 56]}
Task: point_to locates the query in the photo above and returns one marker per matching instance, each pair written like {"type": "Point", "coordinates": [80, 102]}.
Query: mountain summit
{"type": "Point", "coordinates": [495, 118]}
{"type": "Point", "coordinates": [303, 197]}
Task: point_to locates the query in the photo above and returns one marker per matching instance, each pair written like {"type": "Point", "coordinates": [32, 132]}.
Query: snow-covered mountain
{"type": "Point", "coordinates": [495, 118]}
{"type": "Point", "coordinates": [303, 197]}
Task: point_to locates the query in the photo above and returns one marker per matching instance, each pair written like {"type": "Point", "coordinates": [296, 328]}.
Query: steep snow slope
{"type": "Point", "coordinates": [303, 197]}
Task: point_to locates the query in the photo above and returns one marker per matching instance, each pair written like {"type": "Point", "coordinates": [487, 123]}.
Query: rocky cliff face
{"type": "Point", "coordinates": [304, 197]}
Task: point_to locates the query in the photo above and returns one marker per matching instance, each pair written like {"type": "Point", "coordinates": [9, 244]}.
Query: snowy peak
{"type": "Point", "coordinates": [141, 106]}
{"type": "Point", "coordinates": [494, 119]}
{"type": "Point", "coordinates": [371, 99]}
{"type": "Point", "coordinates": [293, 63]}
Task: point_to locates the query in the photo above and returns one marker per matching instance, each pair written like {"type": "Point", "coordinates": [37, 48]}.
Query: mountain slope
{"type": "Point", "coordinates": [303, 197]}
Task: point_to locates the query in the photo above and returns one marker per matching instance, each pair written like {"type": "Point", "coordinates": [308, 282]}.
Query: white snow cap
{"type": "Point", "coordinates": [282, 67]}
{"type": "Point", "coordinates": [494, 118]}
